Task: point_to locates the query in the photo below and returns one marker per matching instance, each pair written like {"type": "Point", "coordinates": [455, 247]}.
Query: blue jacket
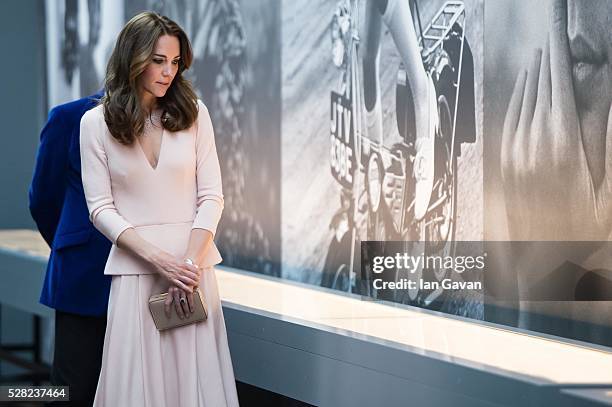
{"type": "Point", "coordinates": [75, 280]}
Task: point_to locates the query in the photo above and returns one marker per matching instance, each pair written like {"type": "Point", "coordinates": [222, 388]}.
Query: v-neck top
{"type": "Point", "coordinates": [152, 125]}
{"type": "Point", "coordinates": [162, 204]}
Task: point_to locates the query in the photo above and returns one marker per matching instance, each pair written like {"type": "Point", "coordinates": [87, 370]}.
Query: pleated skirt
{"type": "Point", "coordinates": [188, 366]}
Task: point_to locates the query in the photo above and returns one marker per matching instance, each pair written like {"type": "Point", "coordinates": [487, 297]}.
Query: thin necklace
{"type": "Point", "coordinates": [152, 122]}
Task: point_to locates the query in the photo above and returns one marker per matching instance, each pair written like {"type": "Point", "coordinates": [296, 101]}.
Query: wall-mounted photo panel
{"type": "Point", "coordinates": [548, 170]}
{"type": "Point", "coordinates": [80, 37]}
{"type": "Point", "coordinates": [351, 155]}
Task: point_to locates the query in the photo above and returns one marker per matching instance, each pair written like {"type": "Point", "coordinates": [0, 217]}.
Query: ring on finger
{"type": "Point", "coordinates": [183, 300]}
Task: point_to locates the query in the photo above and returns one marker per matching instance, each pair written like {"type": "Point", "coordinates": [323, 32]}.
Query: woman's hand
{"type": "Point", "coordinates": [183, 302]}
{"type": "Point", "coordinates": [174, 269]}
{"type": "Point", "coordinates": [177, 272]}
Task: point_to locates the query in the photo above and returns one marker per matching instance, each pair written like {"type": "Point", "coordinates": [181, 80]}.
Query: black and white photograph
{"type": "Point", "coordinates": [359, 162]}
{"type": "Point", "coordinates": [80, 36]}
{"type": "Point", "coordinates": [548, 171]}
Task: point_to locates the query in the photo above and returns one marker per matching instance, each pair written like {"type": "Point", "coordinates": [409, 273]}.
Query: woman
{"type": "Point", "coordinates": [153, 187]}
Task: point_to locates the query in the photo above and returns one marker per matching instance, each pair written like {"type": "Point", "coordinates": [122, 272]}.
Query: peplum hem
{"type": "Point", "coordinates": [171, 237]}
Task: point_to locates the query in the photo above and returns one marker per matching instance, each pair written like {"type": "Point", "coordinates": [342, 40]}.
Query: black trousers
{"type": "Point", "coordinates": [78, 356]}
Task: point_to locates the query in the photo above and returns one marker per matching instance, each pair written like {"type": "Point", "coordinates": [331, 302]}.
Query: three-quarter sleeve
{"type": "Point", "coordinates": [96, 178]}
{"type": "Point", "coordinates": [208, 175]}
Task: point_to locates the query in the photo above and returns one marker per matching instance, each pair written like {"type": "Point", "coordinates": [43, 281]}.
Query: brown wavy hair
{"type": "Point", "coordinates": [133, 51]}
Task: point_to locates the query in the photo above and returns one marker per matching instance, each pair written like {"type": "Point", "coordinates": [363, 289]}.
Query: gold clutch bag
{"type": "Point", "coordinates": [163, 322]}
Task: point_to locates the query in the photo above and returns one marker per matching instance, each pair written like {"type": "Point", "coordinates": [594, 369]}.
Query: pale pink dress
{"type": "Point", "coordinates": [188, 366]}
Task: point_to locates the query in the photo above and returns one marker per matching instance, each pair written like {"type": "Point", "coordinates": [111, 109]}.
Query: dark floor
{"type": "Point", "coordinates": [251, 396]}
{"type": "Point", "coordinates": [248, 396]}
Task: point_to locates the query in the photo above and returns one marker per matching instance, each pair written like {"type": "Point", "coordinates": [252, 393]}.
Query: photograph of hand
{"type": "Point", "coordinates": [557, 134]}
{"type": "Point", "coordinates": [547, 162]}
